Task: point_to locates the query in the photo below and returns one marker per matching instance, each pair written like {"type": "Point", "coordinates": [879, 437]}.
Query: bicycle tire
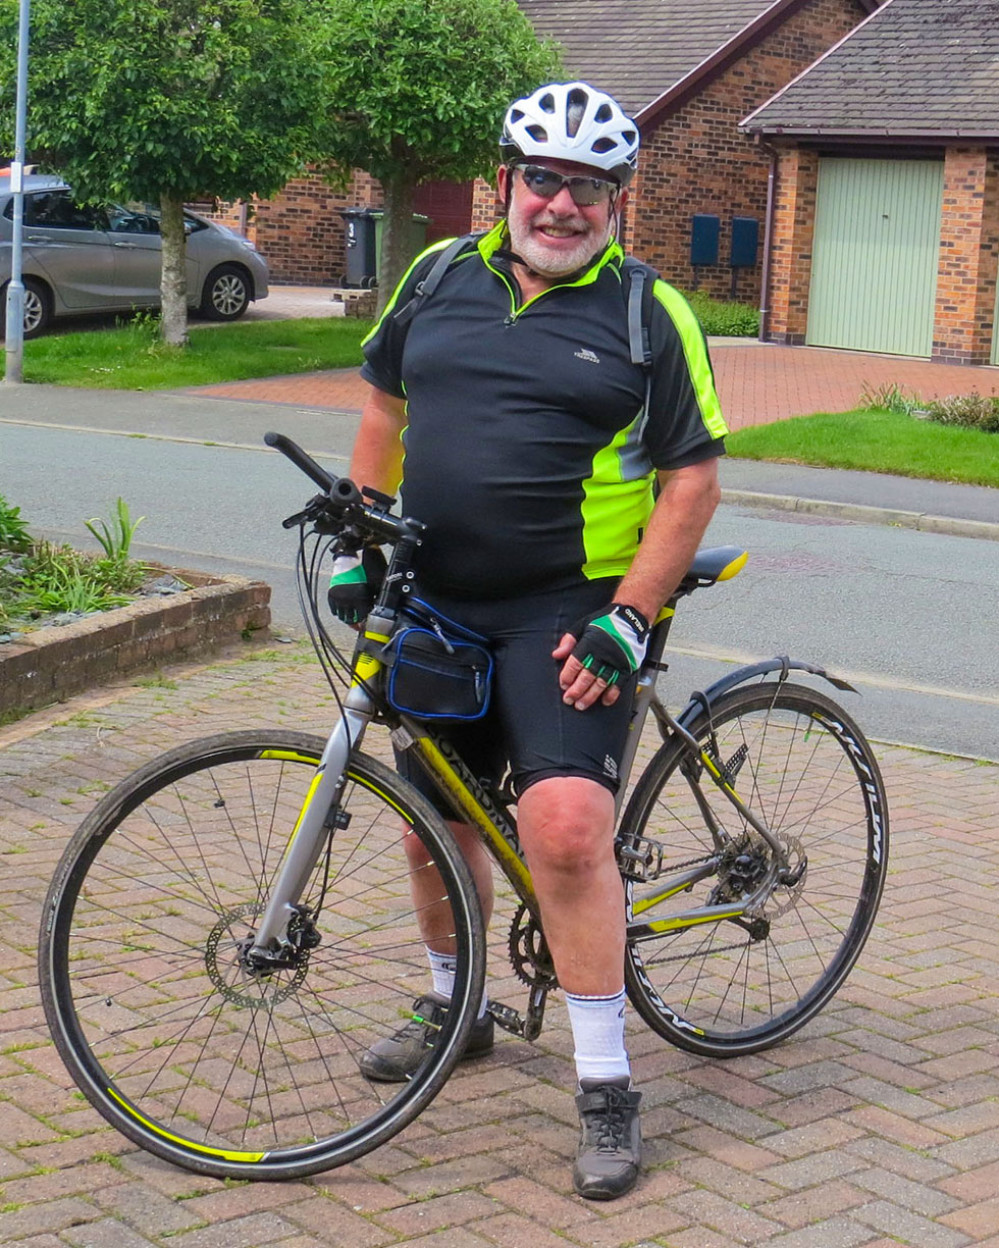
{"type": "Point", "coordinates": [164, 1031]}
{"type": "Point", "coordinates": [801, 762]}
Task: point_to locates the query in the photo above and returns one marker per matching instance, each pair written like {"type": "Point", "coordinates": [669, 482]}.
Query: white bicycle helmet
{"type": "Point", "coordinates": [572, 121]}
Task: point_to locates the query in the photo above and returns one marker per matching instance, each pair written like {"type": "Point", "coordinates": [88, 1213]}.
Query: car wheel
{"type": "Point", "coordinates": [37, 308]}
{"type": "Point", "coordinates": [226, 294]}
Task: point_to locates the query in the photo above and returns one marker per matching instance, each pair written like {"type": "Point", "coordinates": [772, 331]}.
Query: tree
{"type": "Point", "coordinates": [167, 101]}
{"type": "Point", "coordinates": [416, 91]}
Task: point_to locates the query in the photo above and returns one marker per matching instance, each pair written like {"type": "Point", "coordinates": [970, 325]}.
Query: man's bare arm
{"type": "Point", "coordinates": [376, 460]}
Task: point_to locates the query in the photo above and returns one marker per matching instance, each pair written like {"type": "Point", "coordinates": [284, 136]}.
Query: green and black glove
{"type": "Point", "coordinates": [612, 643]}
{"type": "Point", "coordinates": [354, 584]}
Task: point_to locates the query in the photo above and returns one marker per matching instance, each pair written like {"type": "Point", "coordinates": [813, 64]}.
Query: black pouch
{"type": "Point", "coordinates": [437, 669]}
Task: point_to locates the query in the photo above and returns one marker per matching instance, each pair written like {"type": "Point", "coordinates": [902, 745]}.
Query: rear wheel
{"type": "Point", "coordinates": [37, 308]}
{"type": "Point", "coordinates": [723, 988]}
{"type": "Point", "coordinates": [164, 1025]}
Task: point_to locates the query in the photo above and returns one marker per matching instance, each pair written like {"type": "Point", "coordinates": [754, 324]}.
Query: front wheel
{"type": "Point", "coordinates": [226, 294]}
{"type": "Point", "coordinates": [154, 1007]}
{"type": "Point", "coordinates": [724, 988]}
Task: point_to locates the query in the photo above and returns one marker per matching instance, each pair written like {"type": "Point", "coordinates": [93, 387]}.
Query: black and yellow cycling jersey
{"type": "Point", "coordinates": [523, 450]}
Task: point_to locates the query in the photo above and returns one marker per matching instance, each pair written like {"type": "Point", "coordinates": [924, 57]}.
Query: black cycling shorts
{"type": "Point", "coordinates": [528, 729]}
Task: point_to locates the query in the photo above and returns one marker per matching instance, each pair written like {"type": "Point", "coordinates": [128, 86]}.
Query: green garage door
{"type": "Point", "coordinates": [874, 257]}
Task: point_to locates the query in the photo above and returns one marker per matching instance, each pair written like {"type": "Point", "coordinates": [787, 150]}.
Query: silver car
{"type": "Point", "coordinates": [80, 259]}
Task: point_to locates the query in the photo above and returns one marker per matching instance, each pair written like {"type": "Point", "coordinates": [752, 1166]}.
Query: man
{"type": "Point", "coordinates": [529, 456]}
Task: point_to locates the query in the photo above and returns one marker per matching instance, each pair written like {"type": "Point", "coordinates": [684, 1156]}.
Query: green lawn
{"type": "Point", "coordinates": [875, 441]}
{"type": "Point", "coordinates": [130, 357]}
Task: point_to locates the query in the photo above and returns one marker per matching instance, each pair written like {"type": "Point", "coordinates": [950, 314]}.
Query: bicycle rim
{"type": "Point", "coordinates": [153, 1011]}
{"type": "Point", "coordinates": [725, 988]}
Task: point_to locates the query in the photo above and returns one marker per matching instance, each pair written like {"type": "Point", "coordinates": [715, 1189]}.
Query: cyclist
{"type": "Point", "coordinates": [529, 456]}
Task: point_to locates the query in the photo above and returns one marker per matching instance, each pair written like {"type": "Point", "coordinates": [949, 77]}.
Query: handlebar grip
{"type": "Point", "coordinates": [301, 459]}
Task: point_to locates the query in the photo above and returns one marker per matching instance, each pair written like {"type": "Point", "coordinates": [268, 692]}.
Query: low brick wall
{"type": "Point", "coordinates": [54, 663]}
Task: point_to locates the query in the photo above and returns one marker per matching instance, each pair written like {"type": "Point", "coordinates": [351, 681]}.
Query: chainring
{"type": "Point", "coordinates": [529, 955]}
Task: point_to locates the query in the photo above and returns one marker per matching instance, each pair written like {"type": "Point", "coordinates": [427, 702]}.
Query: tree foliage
{"type": "Point", "coordinates": [416, 91]}
{"type": "Point", "coordinates": [166, 100]}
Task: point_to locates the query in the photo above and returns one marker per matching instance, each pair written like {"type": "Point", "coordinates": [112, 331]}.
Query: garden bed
{"type": "Point", "coordinates": [52, 663]}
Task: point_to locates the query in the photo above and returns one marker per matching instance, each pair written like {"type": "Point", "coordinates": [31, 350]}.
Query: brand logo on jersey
{"type": "Point", "coordinates": [610, 766]}
{"type": "Point", "coordinates": [584, 353]}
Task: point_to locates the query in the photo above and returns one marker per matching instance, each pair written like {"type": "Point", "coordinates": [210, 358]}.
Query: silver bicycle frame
{"type": "Point", "coordinates": [311, 830]}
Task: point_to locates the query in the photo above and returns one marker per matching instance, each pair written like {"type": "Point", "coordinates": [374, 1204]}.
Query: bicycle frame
{"type": "Point", "coordinates": [473, 805]}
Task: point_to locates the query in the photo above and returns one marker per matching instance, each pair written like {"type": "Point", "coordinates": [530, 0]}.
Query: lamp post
{"type": "Point", "coordinates": [15, 288]}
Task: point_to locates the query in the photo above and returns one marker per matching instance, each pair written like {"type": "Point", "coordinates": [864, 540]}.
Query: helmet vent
{"type": "Point", "coordinates": [603, 145]}
{"type": "Point", "coordinates": [604, 113]}
{"type": "Point", "coordinates": [538, 133]}
{"type": "Point", "coordinates": [575, 108]}
{"type": "Point", "coordinates": [547, 103]}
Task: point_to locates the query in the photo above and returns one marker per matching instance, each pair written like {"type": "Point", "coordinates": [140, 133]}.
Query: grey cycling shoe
{"type": "Point", "coordinates": [397, 1057]}
{"type": "Point", "coordinates": [610, 1143]}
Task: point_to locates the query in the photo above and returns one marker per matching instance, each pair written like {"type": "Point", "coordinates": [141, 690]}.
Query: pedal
{"type": "Point", "coordinates": [639, 858]}
{"type": "Point", "coordinates": [507, 1017]}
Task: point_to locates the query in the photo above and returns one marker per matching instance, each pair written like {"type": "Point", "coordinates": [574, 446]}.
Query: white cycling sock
{"type": "Point", "coordinates": [598, 1033]}
{"type": "Point", "coordinates": [443, 967]}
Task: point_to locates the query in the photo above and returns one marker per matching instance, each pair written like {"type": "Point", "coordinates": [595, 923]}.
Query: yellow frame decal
{"type": "Point", "coordinates": [225, 1153]}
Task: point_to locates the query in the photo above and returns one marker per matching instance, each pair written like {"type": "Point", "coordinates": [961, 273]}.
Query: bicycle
{"type": "Point", "coordinates": [232, 926]}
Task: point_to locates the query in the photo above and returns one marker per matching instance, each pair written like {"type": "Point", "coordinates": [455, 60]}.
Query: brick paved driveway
{"type": "Point", "coordinates": [756, 384]}
{"type": "Point", "coordinates": [878, 1125]}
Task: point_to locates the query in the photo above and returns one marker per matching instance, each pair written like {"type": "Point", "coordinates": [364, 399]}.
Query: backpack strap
{"type": "Point", "coordinates": [639, 280]}
{"type": "Point", "coordinates": [427, 285]}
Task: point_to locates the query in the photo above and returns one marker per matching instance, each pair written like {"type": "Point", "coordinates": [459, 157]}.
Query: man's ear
{"type": "Point", "coordinates": [504, 181]}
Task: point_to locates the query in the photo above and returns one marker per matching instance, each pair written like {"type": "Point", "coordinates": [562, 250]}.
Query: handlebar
{"type": "Point", "coordinates": [301, 459]}
{"type": "Point", "coordinates": [342, 505]}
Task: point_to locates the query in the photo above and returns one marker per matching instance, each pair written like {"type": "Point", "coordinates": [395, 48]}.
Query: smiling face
{"type": "Point", "coordinates": [555, 237]}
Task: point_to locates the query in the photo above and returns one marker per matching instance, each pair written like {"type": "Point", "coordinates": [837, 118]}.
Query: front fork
{"type": "Point", "coordinates": [310, 832]}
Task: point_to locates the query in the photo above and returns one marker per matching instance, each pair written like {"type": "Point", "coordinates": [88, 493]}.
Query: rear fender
{"type": "Point", "coordinates": [704, 700]}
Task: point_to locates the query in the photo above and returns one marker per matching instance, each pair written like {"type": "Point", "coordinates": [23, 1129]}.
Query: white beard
{"type": "Point", "coordinates": [547, 261]}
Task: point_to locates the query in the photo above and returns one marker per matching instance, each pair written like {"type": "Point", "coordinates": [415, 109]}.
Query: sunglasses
{"type": "Point", "coordinates": [585, 192]}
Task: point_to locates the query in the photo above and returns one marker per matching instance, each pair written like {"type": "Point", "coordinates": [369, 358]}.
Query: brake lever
{"type": "Point", "coordinates": [295, 521]}
{"type": "Point", "coordinates": [313, 510]}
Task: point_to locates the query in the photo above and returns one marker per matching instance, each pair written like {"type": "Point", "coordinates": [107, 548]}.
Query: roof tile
{"type": "Point", "coordinates": [914, 68]}
{"type": "Point", "coordinates": [638, 49]}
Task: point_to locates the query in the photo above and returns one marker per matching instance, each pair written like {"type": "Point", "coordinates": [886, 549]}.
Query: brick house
{"type": "Point", "coordinates": [688, 73]}
{"type": "Point", "coordinates": [885, 218]}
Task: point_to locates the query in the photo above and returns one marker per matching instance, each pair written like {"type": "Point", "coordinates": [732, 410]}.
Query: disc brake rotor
{"type": "Point", "coordinates": [231, 976]}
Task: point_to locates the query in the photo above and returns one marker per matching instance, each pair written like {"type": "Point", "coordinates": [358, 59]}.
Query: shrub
{"type": "Point", "coordinates": [14, 534]}
{"type": "Point", "coordinates": [973, 411]}
{"type": "Point", "coordinates": [39, 578]}
{"type": "Point", "coordinates": [888, 397]}
{"type": "Point", "coordinates": [728, 320]}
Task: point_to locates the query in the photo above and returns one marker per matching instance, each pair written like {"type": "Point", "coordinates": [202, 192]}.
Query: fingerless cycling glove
{"type": "Point", "coordinates": [612, 643]}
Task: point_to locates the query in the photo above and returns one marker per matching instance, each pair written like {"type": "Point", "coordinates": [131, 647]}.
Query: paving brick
{"type": "Point", "coordinates": [53, 1215]}
{"type": "Point", "coordinates": [106, 1233]}
{"type": "Point", "coordinates": [814, 1204]}
{"type": "Point", "coordinates": [510, 1230]}
{"type": "Point", "coordinates": [908, 1226]}
{"type": "Point", "coordinates": [441, 1211]}
{"type": "Point", "coordinates": [830, 1233]}
{"type": "Point", "coordinates": [257, 1229]}
{"type": "Point", "coordinates": [148, 1211]}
